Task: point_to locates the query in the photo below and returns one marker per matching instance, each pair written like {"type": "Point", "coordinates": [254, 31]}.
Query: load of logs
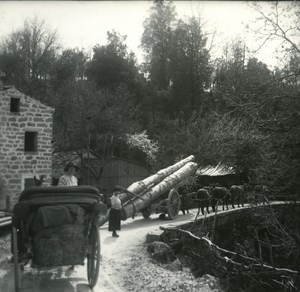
{"type": "Point", "coordinates": [5, 219]}
{"type": "Point", "coordinates": [142, 194]}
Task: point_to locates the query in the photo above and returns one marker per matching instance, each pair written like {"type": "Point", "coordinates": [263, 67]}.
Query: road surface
{"type": "Point", "coordinates": [115, 252]}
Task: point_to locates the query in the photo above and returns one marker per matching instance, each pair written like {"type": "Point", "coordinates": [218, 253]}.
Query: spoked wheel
{"type": "Point", "coordinates": [93, 258]}
{"type": "Point", "coordinates": [16, 259]}
{"type": "Point", "coordinates": [173, 204]}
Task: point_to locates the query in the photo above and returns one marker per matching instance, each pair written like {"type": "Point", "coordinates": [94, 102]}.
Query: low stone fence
{"type": "Point", "coordinates": [220, 245]}
{"type": "Point", "coordinates": [207, 222]}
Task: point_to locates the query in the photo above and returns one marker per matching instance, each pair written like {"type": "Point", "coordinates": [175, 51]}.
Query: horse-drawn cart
{"type": "Point", "coordinates": [169, 204]}
{"type": "Point", "coordinates": [57, 226]}
{"type": "Point", "coordinates": [158, 192]}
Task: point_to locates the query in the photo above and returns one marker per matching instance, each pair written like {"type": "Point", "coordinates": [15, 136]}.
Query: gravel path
{"type": "Point", "coordinates": [125, 266]}
{"type": "Point", "coordinates": [130, 268]}
{"type": "Point", "coordinates": [146, 275]}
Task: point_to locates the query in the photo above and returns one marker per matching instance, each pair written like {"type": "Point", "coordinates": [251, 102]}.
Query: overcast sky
{"type": "Point", "coordinates": [83, 24]}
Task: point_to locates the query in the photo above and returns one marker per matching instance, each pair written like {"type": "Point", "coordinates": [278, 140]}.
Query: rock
{"type": "Point", "coordinates": [174, 266]}
{"type": "Point", "coordinates": [161, 252]}
{"type": "Point", "coordinates": [154, 236]}
{"type": "Point", "coordinates": [212, 282]}
{"type": "Point", "coordinates": [186, 269]}
{"type": "Point", "coordinates": [208, 277]}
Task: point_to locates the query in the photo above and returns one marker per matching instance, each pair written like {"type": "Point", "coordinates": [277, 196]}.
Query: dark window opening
{"type": "Point", "coordinates": [30, 141]}
{"type": "Point", "coordinates": [15, 105]}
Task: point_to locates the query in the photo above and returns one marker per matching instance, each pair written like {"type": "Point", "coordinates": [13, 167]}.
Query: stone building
{"type": "Point", "coordinates": [25, 142]}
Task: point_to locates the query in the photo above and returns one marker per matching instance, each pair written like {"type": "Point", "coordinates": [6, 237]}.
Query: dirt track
{"type": "Point", "coordinates": [119, 256]}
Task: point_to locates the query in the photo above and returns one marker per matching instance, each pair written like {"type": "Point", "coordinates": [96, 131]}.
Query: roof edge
{"type": "Point", "coordinates": [7, 87]}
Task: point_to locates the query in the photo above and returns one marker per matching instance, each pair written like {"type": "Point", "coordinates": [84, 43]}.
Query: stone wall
{"type": "Point", "coordinates": [223, 223]}
{"type": "Point", "coordinates": [16, 165]}
{"type": "Point", "coordinates": [232, 215]}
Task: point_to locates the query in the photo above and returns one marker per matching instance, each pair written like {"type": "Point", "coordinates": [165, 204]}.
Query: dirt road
{"type": "Point", "coordinates": [117, 256]}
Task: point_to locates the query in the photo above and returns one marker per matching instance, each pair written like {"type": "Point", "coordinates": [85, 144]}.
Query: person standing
{"type": "Point", "coordinates": [185, 202]}
{"type": "Point", "coordinates": [114, 222]}
{"type": "Point", "coordinates": [69, 178]}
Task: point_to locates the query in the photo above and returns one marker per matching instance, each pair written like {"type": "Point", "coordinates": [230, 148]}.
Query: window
{"type": "Point", "coordinates": [15, 105]}
{"type": "Point", "coordinates": [30, 142]}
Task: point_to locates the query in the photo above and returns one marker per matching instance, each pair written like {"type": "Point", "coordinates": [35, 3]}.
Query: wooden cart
{"type": "Point", "coordinates": [156, 193]}
{"type": "Point", "coordinates": [169, 204]}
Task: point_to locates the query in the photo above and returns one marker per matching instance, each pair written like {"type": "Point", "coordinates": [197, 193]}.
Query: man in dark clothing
{"type": "Point", "coordinates": [185, 202]}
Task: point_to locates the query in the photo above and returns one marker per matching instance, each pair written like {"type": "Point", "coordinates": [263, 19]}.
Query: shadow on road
{"type": "Point", "coordinates": [34, 280]}
{"type": "Point", "coordinates": [109, 239]}
{"type": "Point", "coordinates": [83, 288]}
{"type": "Point", "coordinates": [142, 223]}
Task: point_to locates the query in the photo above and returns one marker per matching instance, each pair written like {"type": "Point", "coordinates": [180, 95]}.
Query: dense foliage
{"type": "Point", "coordinates": [232, 110]}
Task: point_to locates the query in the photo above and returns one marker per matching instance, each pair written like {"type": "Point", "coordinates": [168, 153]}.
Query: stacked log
{"type": "Point", "coordinates": [142, 186]}
{"type": "Point", "coordinates": [151, 188]}
{"type": "Point", "coordinates": [5, 221]}
{"type": "Point", "coordinates": [172, 181]}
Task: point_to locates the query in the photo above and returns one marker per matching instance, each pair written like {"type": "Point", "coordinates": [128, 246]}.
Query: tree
{"type": "Point", "coordinates": [252, 120]}
{"type": "Point", "coordinates": [230, 68]}
{"type": "Point", "coordinates": [239, 80]}
{"type": "Point", "coordinates": [142, 142]}
{"type": "Point", "coordinates": [189, 64]}
{"type": "Point", "coordinates": [281, 22]}
{"type": "Point", "coordinates": [70, 66]}
{"type": "Point", "coordinates": [112, 64]}
{"type": "Point", "coordinates": [27, 55]}
{"type": "Point", "coordinates": [217, 139]}
{"type": "Point", "coordinates": [102, 122]}
{"type": "Point", "coordinates": [278, 107]}
{"type": "Point", "coordinates": [256, 76]}
{"type": "Point", "coordinates": [156, 43]}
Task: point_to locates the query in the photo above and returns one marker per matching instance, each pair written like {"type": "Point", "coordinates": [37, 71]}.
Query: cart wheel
{"type": "Point", "coordinates": [173, 204]}
{"type": "Point", "coordinates": [146, 213]}
{"type": "Point", "coordinates": [16, 259]}
{"type": "Point", "coordinates": [93, 258]}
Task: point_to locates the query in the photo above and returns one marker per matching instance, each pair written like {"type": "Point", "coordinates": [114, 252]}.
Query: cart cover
{"type": "Point", "coordinates": [49, 216]}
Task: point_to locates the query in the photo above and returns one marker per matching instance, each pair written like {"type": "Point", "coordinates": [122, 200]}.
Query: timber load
{"type": "Point", "coordinates": [157, 192]}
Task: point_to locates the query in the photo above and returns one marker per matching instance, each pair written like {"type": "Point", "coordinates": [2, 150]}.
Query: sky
{"type": "Point", "coordinates": [83, 24]}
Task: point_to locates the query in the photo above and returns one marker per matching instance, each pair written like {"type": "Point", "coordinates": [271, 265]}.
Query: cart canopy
{"type": "Point", "coordinates": [33, 198]}
{"type": "Point", "coordinates": [61, 194]}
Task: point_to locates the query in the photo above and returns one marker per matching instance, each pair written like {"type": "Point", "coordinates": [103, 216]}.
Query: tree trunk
{"type": "Point", "coordinates": [162, 181]}
{"type": "Point", "coordinates": [171, 181]}
{"type": "Point", "coordinates": [140, 186]}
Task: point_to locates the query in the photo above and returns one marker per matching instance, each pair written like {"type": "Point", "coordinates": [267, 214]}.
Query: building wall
{"type": "Point", "coordinates": [116, 172]}
{"type": "Point", "coordinates": [16, 165]}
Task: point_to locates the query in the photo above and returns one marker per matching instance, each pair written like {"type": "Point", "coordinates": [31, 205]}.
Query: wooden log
{"type": "Point", "coordinates": [8, 218]}
{"type": "Point", "coordinates": [5, 223]}
{"type": "Point", "coordinates": [172, 181]}
{"type": "Point", "coordinates": [140, 186]}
